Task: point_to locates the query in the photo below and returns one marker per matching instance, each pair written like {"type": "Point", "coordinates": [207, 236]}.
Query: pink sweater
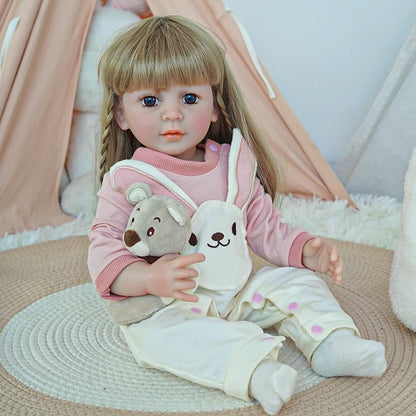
{"type": "Point", "coordinates": [267, 236]}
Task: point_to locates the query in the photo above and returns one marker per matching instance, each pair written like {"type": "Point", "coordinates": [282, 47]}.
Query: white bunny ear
{"type": "Point", "coordinates": [137, 192]}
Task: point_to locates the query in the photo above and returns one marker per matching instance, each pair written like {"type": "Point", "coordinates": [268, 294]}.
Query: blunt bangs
{"type": "Point", "coordinates": [159, 52]}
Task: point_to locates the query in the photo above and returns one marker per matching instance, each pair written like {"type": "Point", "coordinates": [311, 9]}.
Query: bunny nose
{"type": "Point", "coordinates": [130, 238]}
{"type": "Point", "coordinates": [217, 236]}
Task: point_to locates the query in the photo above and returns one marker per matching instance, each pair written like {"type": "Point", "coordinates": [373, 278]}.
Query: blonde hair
{"type": "Point", "coordinates": [163, 51]}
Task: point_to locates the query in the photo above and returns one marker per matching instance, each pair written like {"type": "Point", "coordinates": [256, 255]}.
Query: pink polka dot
{"type": "Point", "coordinates": [213, 147]}
{"type": "Point", "coordinates": [196, 310]}
{"type": "Point", "coordinates": [292, 306]}
{"type": "Point", "coordinates": [257, 298]}
{"type": "Point", "coordinates": [317, 329]}
{"type": "Point", "coordinates": [268, 339]}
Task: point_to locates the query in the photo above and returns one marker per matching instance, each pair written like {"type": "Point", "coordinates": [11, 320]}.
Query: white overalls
{"type": "Point", "coordinates": [219, 341]}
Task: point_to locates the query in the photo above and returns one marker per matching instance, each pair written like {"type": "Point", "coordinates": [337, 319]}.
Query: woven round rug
{"type": "Point", "coordinates": [60, 351]}
{"type": "Point", "coordinates": [58, 346]}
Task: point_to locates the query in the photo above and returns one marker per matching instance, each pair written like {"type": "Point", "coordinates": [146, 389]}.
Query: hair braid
{"type": "Point", "coordinates": [222, 107]}
{"type": "Point", "coordinates": [106, 128]}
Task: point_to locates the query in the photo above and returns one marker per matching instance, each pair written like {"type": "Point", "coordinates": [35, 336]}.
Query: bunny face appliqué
{"type": "Point", "coordinates": [218, 232]}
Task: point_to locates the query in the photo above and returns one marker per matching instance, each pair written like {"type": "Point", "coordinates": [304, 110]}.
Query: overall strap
{"type": "Point", "coordinates": [131, 168]}
{"type": "Point", "coordinates": [242, 169]}
{"type": "Point", "coordinates": [241, 174]}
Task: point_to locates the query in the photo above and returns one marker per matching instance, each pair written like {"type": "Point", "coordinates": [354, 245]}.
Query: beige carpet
{"type": "Point", "coordinates": [30, 274]}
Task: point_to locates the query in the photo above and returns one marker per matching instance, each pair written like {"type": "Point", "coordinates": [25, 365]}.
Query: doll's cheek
{"type": "Point", "coordinates": [201, 123]}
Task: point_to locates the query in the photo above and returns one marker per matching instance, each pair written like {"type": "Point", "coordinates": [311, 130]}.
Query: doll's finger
{"type": "Point", "coordinates": [334, 255]}
{"type": "Point", "coordinates": [186, 297]}
{"type": "Point", "coordinates": [188, 259]}
{"type": "Point", "coordinates": [336, 268]}
{"type": "Point", "coordinates": [340, 265]}
{"type": "Point", "coordinates": [335, 273]}
{"type": "Point", "coordinates": [336, 276]}
{"type": "Point", "coordinates": [337, 280]}
{"type": "Point", "coordinates": [308, 250]}
{"type": "Point", "coordinates": [316, 242]}
{"type": "Point", "coordinates": [185, 284]}
{"type": "Point", "coordinates": [187, 273]}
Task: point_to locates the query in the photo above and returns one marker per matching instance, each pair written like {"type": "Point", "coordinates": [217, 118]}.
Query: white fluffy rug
{"type": "Point", "coordinates": [376, 223]}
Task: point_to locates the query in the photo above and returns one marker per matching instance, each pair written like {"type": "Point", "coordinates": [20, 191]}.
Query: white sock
{"type": "Point", "coordinates": [272, 384]}
{"type": "Point", "coordinates": [345, 354]}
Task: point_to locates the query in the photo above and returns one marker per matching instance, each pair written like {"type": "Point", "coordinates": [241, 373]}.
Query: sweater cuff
{"type": "Point", "coordinates": [296, 250]}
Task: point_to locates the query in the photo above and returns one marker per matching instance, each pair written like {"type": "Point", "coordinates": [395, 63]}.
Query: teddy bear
{"type": "Point", "coordinates": [157, 225]}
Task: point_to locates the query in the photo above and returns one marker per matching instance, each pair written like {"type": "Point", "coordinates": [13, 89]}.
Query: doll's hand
{"type": "Point", "coordinates": [170, 276]}
{"type": "Point", "coordinates": [321, 256]}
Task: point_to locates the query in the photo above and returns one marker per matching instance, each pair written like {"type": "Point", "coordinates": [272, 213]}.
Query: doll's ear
{"type": "Point", "coordinates": [137, 192]}
{"type": "Point", "coordinates": [119, 114]}
{"type": "Point", "coordinates": [214, 116]}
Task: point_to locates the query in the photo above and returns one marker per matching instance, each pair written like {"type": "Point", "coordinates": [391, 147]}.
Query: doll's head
{"type": "Point", "coordinates": [161, 52]}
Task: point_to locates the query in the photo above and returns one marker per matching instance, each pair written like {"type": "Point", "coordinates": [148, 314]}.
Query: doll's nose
{"type": "Point", "coordinates": [172, 113]}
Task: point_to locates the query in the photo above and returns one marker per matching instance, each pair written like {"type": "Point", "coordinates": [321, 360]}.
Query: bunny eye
{"type": "Point", "coordinates": [150, 231]}
{"type": "Point", "coordinates": [138, 209]}
{"type": "Point", "coordinates": [157, 219]}
{"type": "Point", "coordinates": [193, 241]}
{"type": "Point", "coordinates": [234, 228]}
{"type": "Point", "coordinates": [132, 220]}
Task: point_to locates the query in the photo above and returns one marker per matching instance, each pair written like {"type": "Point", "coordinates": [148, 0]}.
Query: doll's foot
{"type": "Point", "coordinates": [272, 384]}
{"type": "Point", "coordinates": [345, 354]}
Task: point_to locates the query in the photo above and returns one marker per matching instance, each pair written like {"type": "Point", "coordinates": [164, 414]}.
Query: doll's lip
{"type": "Point", "coordinates": [173, 135]}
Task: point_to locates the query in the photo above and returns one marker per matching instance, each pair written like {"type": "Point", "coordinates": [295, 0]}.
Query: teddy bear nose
{"type": "Point", "coordinates": [217, 236]}
{"type": "Point", "coordinates": [130, 238]}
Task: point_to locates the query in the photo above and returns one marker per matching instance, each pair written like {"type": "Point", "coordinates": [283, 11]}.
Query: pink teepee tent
{"type": "Point", "coordinates": [38, 81]}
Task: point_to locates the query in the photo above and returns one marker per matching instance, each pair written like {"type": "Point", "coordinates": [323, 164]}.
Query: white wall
{"type": "Point", "coordinates": [329, 58]}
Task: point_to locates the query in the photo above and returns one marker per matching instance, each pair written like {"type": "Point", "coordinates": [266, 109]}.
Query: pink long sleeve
{"type": "Point", "coordinates": [107, 256]}
{"type": "Point", "coordinates": [268, 236]}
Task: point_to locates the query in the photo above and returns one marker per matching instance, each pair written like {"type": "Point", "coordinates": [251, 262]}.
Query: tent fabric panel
{"type": "Point", "coordinates": [39, 80]}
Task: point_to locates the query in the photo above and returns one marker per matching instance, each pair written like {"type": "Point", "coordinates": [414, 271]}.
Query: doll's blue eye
{"type": "Point", "coordinates": [149, 101]}
{"type": "Point", "coordinates": [190, 99]}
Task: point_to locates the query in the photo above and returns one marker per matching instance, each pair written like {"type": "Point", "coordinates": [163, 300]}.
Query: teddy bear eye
{"type": "Point", "coordinates": [150, 231]}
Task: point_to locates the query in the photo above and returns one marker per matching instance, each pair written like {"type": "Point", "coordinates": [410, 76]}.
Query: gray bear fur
{"type": "Point", "coordinates": [157, 225]}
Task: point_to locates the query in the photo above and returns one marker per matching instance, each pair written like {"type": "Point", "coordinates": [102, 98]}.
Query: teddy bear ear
{"type": "Point", "coordinates": [178, 213]}
{"type": "Point", "coordinates": [137, 192]}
